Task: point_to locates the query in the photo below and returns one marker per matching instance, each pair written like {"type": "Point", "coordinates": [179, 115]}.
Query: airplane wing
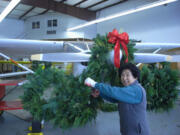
{"type": "Point", "coordinates": [18, 48]}
{"type": "Point", "coordinates": [62, 57]}
{"type": "Point", "coordinates": [151, 58]}
{"type": "Point", "coordinates": [81, 57]}
{"type": "Point", "coordinates": [148, 45]}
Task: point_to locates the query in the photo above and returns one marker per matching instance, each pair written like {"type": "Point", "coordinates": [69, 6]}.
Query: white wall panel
{"type": "Point", "coordinates": [11, 28]}
{"type": "Point", "coordinates": [159, 24]}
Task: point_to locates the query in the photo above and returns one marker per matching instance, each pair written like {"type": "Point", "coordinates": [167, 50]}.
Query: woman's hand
{"type": "Point", "coordinates": [95, 93]}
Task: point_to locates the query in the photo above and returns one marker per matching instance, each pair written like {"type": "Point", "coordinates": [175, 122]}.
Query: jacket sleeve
{"type": "Point", "coordinates": [108, 98]}
{"type": "Point", "coordinates": [129, 94]}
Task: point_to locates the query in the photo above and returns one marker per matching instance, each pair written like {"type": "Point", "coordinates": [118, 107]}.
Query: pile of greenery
{"type": "Point", "coordinates": [160, 82]}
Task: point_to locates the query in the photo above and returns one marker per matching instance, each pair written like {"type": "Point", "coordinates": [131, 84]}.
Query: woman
{"type": "Point", "coordinates": [131, 100]}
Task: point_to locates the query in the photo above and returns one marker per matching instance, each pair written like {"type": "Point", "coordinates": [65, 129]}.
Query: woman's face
{"type": "Point", "coordinates": [127, 77]}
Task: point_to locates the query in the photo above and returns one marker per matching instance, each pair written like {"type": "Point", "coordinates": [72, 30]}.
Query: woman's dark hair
{"type": "Point", "coordinates": [134, 70]}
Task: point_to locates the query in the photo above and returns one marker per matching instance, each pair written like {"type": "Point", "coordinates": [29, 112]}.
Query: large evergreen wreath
{"type": "Point", "coordinates": [70, 104]}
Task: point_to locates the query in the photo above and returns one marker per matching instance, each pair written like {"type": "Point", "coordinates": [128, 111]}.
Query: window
{"type": "Point", "coordinates": [51, 32]}
{"type": "Point", "coordinates": [49, 23]}
{"type": "Point", "coordinates": [52, 23]}
{"type": "Point", "coordinates": [36, 25]}
{"type": "Point", "coordinates": [33, 25]}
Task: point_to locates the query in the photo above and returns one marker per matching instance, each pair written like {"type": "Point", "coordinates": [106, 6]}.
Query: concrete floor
{"type": "Point", "coordinates": [167, 123]}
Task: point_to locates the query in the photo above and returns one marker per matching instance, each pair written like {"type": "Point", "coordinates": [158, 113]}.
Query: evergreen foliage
{"type": "Point", "coordinates": [64, 100]}
{"type": "Point", "coordinates": [161, 84]}
{"type": "Point", "coordinates": [70, 103]}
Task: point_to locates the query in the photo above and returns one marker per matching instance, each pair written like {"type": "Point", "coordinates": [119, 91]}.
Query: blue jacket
{"type": "Point", "coordinates": [129, 94]}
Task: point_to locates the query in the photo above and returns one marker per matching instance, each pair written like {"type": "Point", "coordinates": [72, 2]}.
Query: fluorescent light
{"type": "Point", "coordinates": [154, 4]}
{"type": "Point", "coordinates": [8, 9]}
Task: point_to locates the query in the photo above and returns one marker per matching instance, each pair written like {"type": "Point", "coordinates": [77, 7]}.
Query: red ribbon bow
{"type": "Point", "coordinates": [117, 39]}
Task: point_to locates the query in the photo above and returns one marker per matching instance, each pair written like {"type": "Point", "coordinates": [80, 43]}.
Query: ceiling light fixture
{"type": "Point", "coordinates": [154, 4]}
{"type": "Point", "coordinates": [8, 9]}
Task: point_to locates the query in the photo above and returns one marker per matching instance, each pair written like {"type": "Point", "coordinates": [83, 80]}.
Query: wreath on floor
{"type": "Point", "coordinates": [63, 99]}
{"type": "Point", "coordinates": [160, 82]}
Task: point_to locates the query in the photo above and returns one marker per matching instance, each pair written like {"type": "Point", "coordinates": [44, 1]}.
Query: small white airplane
{"type": "Point", "coordinates": [60, 51]}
